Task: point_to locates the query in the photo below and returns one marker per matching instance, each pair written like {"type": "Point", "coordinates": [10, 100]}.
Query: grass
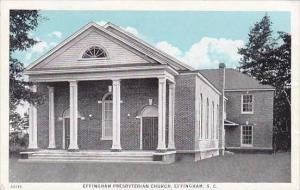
{"type": "Point", "coordinates": [229, 168]}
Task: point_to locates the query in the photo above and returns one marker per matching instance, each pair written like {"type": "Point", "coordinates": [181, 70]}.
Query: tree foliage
{"type": "Point", "coordinates": [22, 22]}
{"type": "Point", "coordinates": [268, 59]}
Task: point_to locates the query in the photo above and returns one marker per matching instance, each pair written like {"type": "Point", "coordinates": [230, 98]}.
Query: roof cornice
{"type": "Point", "coordinates": [93, 70]}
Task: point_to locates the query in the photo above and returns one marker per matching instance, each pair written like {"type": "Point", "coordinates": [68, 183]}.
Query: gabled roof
{"type": "Point", "coordinates": [234, 80]}
{"type": "Point", "coordinates": [125, 38]}
{"type": "Point", "coordinates": [109, 26]}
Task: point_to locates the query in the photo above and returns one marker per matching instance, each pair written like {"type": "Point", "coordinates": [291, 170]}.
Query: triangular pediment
{"type": "Point", "coordinates": [69, 55]}
{"type": "Point", "coordinates": [122, 49]}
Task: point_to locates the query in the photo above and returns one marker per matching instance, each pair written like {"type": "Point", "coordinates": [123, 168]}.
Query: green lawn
{"type": "Point", "coordinates": [228, 168]}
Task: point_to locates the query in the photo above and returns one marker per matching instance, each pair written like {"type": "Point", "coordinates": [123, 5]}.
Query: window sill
{"type": "Point", "coordinates": [249, 113]}
{"type": "Point", "coordinates": [246, 146]}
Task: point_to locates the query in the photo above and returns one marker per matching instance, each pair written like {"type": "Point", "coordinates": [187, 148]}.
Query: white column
{"type": "Point", "coordinates": [161, 145]}
{"type": "Point", "coordinates": [73, 115]}
{"type": "Point", "coordinates": [116, 143]}
{"type": "Point", "coordinates": [171, 144]}
{"type": "Point", "coordinates": [51, 118]}
{"type": "Point", "coordinates": [33, 124]}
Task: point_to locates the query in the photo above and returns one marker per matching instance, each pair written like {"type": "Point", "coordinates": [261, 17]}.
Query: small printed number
{"type": "Point", "coordinates": [16, 186]}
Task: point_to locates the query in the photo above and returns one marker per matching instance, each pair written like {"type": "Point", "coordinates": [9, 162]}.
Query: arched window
{"type": "Point", "coordinates": [107, 112]}
{"type": "Point", "coordinates": [94, 52]}
{"type": "Point", "coordinates": [207, 120]}
{"type": "Point", "coordinates": [201, 117]}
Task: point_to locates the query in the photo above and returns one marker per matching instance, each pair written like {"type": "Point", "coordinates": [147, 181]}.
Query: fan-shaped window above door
{"type": "Point", "coordinates": [94, 52]}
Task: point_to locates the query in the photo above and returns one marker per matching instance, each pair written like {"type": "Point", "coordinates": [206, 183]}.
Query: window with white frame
{"type": "Point", "coordinates": [247, 103]}
{"type": "Point", "coordinates": [201, 117]}
{"type": "Point", "coordinates": [207, 120]}
{"type": "Point", "coordinates": [247, 135]}
{"type": "Point", "coordinates": [107, 112]}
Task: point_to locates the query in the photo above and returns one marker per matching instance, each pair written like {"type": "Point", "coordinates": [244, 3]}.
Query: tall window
{"type": "Point", "coordinates": [207, 119]}
{"type": "Point", "coordinates": [201, 117]}
{"type": "Point", "coordinates": [247, 103]}
{"type": "Point", "coordinates": [107, 112]}
{"type": "Point", "coordinates": [94, 52]}
{"type": "Point", "coordinates": [247, 135]}
{"type": "Point", "coordinates": [218, 124]}
{"type": "Point", "coordinates": [213, 121]}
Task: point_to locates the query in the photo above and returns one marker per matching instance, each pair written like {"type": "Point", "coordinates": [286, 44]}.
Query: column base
{"type": "Point", "coordinates": [161, 150]}
{"type": "Point", "coordinates": [73, 150]}
{"type": "Point", "coordinates": [222, 152]}
{"type": "Point", "coordinates": [115, 150]}
{"type": "Point", "coordinates": [32, 147]}
{"type": "Point", "coordinates": [51, 147]}
{"type": "Point", "coordinates": [171, 149]}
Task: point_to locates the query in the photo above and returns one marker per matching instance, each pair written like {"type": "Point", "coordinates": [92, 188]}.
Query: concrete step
{"type": "Point", "coordinates": [92, 154]}
{"type": "Point", "coordinates": [87, 161]}
{"type": "Point", "coordinates": [92, 158]}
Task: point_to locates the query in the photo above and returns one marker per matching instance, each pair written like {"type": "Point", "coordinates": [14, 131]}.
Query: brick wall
{"type": "Point", "coordinates": [262, 119]}
{"type": "Point", "coordinates": [135, 94]}
{"type": "Point", "coordinates": [184, 124]}
{"type": "Point", "coordinates": [43, 118]}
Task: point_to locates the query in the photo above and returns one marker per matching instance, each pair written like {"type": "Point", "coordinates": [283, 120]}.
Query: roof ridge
{"type": "Point", "coordinates": [120, 29]}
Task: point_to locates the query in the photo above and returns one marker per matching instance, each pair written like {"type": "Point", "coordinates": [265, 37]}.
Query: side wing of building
{"type": "Point", "coordinates": [248, 118]}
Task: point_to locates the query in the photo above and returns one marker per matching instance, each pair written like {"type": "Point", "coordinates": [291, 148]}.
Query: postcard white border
{"type": "Point", "coordinates": [168, 5]}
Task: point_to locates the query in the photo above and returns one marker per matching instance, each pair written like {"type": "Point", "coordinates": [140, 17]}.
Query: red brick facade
{"type": "Point", "coordinates": [261, 119]}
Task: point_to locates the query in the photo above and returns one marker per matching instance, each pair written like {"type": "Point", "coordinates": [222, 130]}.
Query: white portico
{"type": "Point", "coordinates": [163, 73]}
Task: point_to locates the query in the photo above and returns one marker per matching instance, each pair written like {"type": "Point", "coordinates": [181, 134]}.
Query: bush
{"type": "Point", "coordinates": [17, 142]}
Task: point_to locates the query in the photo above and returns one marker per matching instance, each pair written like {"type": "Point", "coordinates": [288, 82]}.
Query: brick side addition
{"type": "Point", "coordinates": [261, 119]}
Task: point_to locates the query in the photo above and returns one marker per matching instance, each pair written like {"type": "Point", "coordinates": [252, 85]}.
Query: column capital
{"type": "Point", "coordinates": [162, 79]}
{"type": "Point", "coordinates": [116, 82]}
{"type": "Point", "coordinates": [51, 88]}
{"type": "Point", "coordinates": [172, 85]}
{"type": "Point", "coordinates": [73, 82]}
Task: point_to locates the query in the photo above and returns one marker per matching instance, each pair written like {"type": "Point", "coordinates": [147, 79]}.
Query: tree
{"type": "Point", "coordinates": [268, 59]}
{"type": "Point", "coordinates": [21, 23]}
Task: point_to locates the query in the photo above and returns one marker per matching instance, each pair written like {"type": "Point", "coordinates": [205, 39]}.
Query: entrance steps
{"type": "Point", "coordinates": [96, 156]}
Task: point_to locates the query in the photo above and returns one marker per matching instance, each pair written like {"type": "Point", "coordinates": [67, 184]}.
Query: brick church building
{"type": "Point", "coordinates": [112, 97]}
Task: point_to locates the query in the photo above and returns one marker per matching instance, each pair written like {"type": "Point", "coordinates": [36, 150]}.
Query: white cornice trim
{"type": "Point", "coordinates": [249, 89]}
{"type": "Point", "coordinates": [93, 70]}
{"type": "Point", "coordinates": [103, 75]}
